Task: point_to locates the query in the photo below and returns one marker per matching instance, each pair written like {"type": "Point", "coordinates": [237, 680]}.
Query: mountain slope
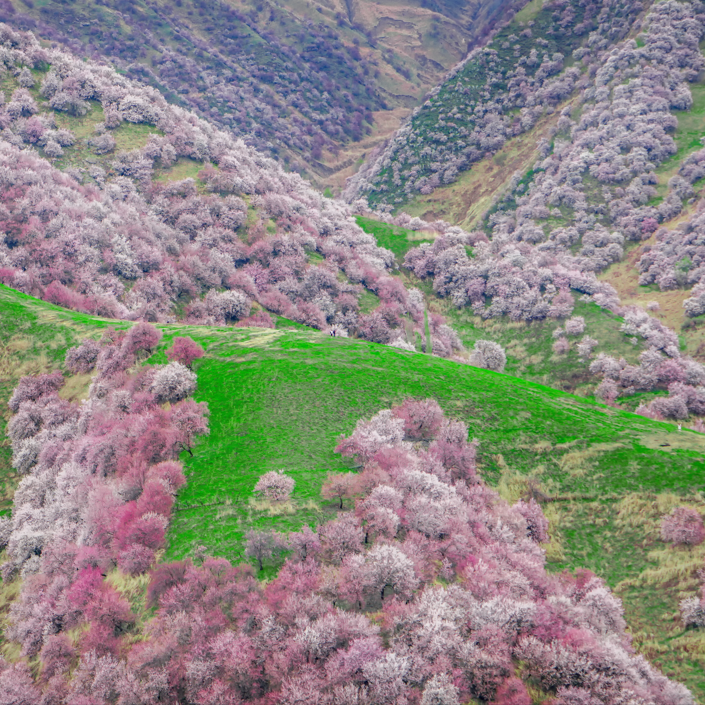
{"type": "Point", "coordinates": [293, 393]}
{"type": "Point", "coordinates": [286, 76]}
{"type": "Point", "coordinates": [123, 205]}
{"type": "Point", "coordinates": [186, 228]}
{"type": "Point", "coordinates": [611, 158]}
{"type": "Point", "coordinates": [498, 91]}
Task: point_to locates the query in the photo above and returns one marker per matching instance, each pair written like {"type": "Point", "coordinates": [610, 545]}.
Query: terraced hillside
{"type": "Point", "coordinates": [281, 398]}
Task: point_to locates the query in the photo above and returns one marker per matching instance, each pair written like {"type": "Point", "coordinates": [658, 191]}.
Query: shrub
{"type": "Point", "coordinates": [440, 691]}
{"type": "Point", "coordinates": [227, 305]}
{"type": "Point", "coordinates": [683, 526]}
{"type": "Point", "coordinates": [163, 578]}
{"type": "Point", "coordinates": [262, 545]}
{"type": "Point", "coordinates": [512, 692]}
{"type": "Point", "coordinates": [103, 144]}
{"type": "Point", "coordinates": [607, 391]}
{"type": "Point", "coordinates": [82, 358]}
{"type": "Point", "coordinates": [136, 559]}
{"type": "Point", "coordinates": [536, 522]}
{"type": "Point", "coordinates": [422, 419]}
{"type": "Point", "coordinates": [141, 337]}
{"type": "Point", "coordinates": [586, 346]}
{"type": "Point", "coordinates": [32, 388]}
{"type": "Point", "coordinates": [489, 355]}
{"type": "Point", "coordinates": [340, 486]}
{"type": "Point", "coordinates": [561, 346]}
{"type": "Point", "coordinates": [184, 351]}
{"type": "Point", "coordinates": [173, 382]}
{"type": "Point", "coordinates": [693, 612]}
{"type": "Point", "coordinates": [275, 486]}
{"type": "Point", "coordinates": [575, 325]}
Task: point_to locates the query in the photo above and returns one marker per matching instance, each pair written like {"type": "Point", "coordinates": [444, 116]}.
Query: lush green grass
{"type": "Point", "coordinates": [280, 399]}
{"type": "Point", "coordinates": [529, 346]}
{"type": "Point", "coordinates": [184, 168]}
{"type": "Point", "coordinates": [398, 240]}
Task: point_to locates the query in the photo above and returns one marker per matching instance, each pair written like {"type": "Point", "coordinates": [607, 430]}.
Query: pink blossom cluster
{"type": "Point", "coordinates": [97, 488]}
{"type": "Point", "coordinates": [661, 367]}
{"type": "Point", "coordinates": [693, 610]}
{"type": "Point", "coordinates": [121, 253]}
{"type": "Point", "coordinates": [677, 260]}
{"type": "Point", "coordinates": [453, 576]}
{"type": "Point", "coordinates": [504, 276]}
{"type": "Point", "coordinates": [683, 526]}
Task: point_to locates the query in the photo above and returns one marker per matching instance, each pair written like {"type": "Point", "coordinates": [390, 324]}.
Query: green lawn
{"type": "Point", "coordinates": [398, 240]}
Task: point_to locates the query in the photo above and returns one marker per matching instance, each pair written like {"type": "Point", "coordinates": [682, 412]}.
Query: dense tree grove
{"type": "Point", "coordinates": [420, 585]}
{"type": "Point", "coordinates": [589, 190]}
{"type": "Point", "coordinates": [677, 259]}
{"type": "Point", "coordinates": [496, 92]}
{"type": "Point", "coordinates": [431, 590]}
{"type": "Point", "coordinates": [125, 246]}
{"type": "Point", "coordinates": [98, 484]}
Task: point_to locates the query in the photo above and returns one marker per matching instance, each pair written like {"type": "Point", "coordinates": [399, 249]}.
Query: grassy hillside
{"type": "Point", "coordinates": [281, 398]}
{"type": "Point", "coordinates": [466, 201]}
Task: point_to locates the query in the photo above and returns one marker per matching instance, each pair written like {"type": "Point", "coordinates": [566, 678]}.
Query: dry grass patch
{"type": "Point", "coordinates": [578, 462]}
{"type": "Point", "coordinates": [19, 344]}
{"type": "Point", "coordinates": [76, 388]}
{"type": "Point", "coordinates": [272, 509]}
{"type": "Point", "coordinates": [132, 587]}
